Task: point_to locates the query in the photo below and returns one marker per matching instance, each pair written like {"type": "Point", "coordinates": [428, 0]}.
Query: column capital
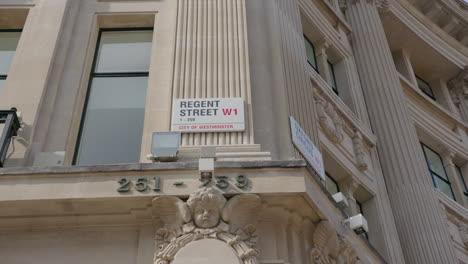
{"type": "Point", "coordinates": [447, 157]}
{"type": "Point", "coordinates": [322, 46]}
{"type": "Point", "coordinates": [350, 187]}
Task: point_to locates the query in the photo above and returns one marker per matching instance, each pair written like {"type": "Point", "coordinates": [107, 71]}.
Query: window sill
{"type": "Point", "coordinates": [425, 103]}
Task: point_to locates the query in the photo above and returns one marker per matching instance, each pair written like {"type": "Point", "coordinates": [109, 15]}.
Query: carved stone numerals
{"type": "Point", "coordinates": [141, 184]}
{"type": "Point", "coordinates": [222, 182]}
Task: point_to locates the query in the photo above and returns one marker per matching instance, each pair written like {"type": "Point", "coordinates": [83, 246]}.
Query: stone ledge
{"type": "Point", "coordinates": [150, 167]}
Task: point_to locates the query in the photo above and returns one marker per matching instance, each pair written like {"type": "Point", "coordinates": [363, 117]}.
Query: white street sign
{"type": "Point", "coordinates": [307, 148]}
{"type": "Point", "coordinates": [208, 115]}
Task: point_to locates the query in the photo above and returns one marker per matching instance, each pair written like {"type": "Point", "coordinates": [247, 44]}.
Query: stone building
{"type": "Point", "coordinates": [373, 93]}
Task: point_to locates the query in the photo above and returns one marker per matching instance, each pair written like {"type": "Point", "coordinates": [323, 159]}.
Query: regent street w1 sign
{"type": "Point", "coordinates": [208, 115]}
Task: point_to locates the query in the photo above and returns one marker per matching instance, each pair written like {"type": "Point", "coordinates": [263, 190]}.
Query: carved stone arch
{"type": "Point", "coordinates": [196, 252]}
{"type": "Point", "coordinates": [205, 215]}
{"type": "Point", "coordinates": [241, 246]}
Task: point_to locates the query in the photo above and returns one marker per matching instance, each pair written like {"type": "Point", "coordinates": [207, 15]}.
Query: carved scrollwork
{"type": "Point", "coordinates": [329, 120]}
{"type": "Point", "coordinates": [359, 151]}
{"type": "Point", "coordinates": [206, 215]}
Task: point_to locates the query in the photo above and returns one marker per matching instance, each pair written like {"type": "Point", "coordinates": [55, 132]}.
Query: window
{"type": "Point", "coordinates": [112, 123]}
{"type": "Point", "coordinates": [310, 51]}
{"type": "Point", "coordinates": [8, 41]}
{"type": "Point", "coordinates": [462, 180]}
{"type": "Point", "coordinates": [425, 87]}
{"type": "Point", "coordinates": [332, 77]}
{"type": "Point", "coordinates": [331, 184]}
{"type": "Point", "coordinates": [360, 211]}
{"type": "Point", "coordinates": [437, 171]}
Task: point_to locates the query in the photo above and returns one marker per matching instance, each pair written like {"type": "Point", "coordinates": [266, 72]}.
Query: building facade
{"type": "Point", "coordinates": [363, 98]}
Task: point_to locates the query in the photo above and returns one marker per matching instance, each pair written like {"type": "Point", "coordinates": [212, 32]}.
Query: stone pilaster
{"type": "Point", "coordinates": [420, 222]}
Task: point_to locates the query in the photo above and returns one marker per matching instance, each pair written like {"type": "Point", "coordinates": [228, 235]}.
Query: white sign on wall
{"type": "Point", "coordinates": [208, 115]}
{"type": "Point", "coordinates": [307, 148]}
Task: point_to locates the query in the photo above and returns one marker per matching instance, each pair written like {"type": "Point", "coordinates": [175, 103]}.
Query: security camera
{"type": "Point", "coordinates": [341, 200]}
{"type": "Point", "coordinates": [357, 223]}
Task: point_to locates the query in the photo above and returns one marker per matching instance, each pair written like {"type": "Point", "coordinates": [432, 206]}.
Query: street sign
{"type": "Point", "coordinates": [307, 148]}
{"type": "Point", "coordinates": [208, 115]}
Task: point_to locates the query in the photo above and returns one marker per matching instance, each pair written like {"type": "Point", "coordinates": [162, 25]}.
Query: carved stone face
{"type": "Point", "coordinates": [206, 215]}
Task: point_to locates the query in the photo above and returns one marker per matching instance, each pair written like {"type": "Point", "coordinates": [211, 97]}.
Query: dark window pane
{"type": "Point", "coordinates": [8, 43]}
{"type": "Point", "coordinates": [113, 125]}
{"type": "Point", "coordinates": [425, 87]}
{"type": "Point", "coordinates": [124, 51]}
{"type": "Point", "coordinates": [435, 162]}
{"type": "Point", "coordinates": [462, 180]}
{"type": "Point", "coordinates": [332, 187]}
{"type": "Point", "coordinates": [444, 187]}
{"type": "Point", "coordinates": [332, 77]}
{"type": "Point", "coordinates": [310, 51]}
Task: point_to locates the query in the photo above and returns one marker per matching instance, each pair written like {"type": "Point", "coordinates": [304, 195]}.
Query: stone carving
{"type": "Point", "coordinates": [462, 227]}
{"type": "Point", "coordinates": [331, 248]}
{"type": "Point", "coordinates": [359, 151]}
{"type": "Point", "coordinates": [459, 87]}
{"type": "Point", "coordinates": [347, 253]}
{"type": "Point", "coordinates": [206, 215]}
{"type": "Point", "coordinates": [329, 120]}
{"type": "Point", "coordinates": [325, 240]}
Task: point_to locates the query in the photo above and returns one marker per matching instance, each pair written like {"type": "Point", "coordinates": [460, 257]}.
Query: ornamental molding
{"type": "Point", "coordinates": [206, 215]}
{"type": "Point", "coordinates": [329, 119]}
{"type": "Point", "coordinates": [382, 5]}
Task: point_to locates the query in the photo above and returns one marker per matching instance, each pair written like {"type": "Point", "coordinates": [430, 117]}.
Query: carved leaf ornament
{"type": "Point", "coordinates": [206, 215]}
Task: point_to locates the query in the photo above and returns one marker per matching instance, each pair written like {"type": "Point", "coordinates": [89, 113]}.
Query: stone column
{"type": "Point", "coordinates": [452, 175]}
{"type": "Point", "coordinates": [421, 225]}
{"type": "Point", "coordinates": [29, 73]}
{"type": "Point", "coordinates": [322, 61]}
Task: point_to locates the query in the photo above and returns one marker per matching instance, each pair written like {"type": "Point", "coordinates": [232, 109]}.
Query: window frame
{"type": "Point", "coordinates": [315, 55]}
{"type": "Point", "coordinates": [462, 179]}
{"type": "Point", "coordinates": [334, 181]}
{"type": "Point", "coordinates": [435, 174]}
{"type": "Point", "coordinates": [428, 85]}
{"type": "Point", "coordinates": [5, 76]}
{"type": "Point", "coordinates": [361, 211]}
{"type": "Point", "coordinates": [334, 85]}
{"type": "Point", "coordinates": [93, 75]}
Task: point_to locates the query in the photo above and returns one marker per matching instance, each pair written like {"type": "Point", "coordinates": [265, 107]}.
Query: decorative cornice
{"type": "Point", "coordinates": [382, 5]}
